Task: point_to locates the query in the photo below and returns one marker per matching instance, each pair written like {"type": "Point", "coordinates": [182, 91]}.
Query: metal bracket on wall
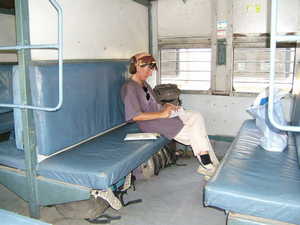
{"type": "Point", "coordinates": [143, 2]}
{"type": "Point", "coordinates": [221, 52]}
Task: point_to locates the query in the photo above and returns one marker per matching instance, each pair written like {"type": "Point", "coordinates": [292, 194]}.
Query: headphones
{"type": "Point", "coordinates": [132, 67]}
{"type": "Point", "coordinates": [133, 62]}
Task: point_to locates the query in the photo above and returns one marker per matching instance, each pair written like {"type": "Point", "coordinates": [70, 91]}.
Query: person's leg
{"type": "Point", "coordinates": [194, 133]}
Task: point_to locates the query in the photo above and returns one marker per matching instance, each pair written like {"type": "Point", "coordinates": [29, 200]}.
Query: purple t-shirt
{"type": "Point", "coordinates": [136, 102]}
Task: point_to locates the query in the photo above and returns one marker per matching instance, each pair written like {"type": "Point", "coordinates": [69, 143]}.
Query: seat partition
{"type": "Point", "coordinates": [92, 102]}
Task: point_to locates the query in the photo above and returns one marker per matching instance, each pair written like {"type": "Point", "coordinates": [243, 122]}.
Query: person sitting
{"type": "Point", "coordinates": [142, 107]}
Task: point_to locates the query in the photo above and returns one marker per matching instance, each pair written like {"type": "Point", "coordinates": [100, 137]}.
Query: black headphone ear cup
{"type": "Point", "coordinates": [132, 67]}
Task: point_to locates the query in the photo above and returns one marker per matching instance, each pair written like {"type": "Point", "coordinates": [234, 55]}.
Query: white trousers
{"type": "Point", "coordinates": [194, 133]}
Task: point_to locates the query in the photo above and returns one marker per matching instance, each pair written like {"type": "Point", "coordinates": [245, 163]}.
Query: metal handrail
{"type": "Point", "coordinates": [274, 39]}
{"type": "Point", "coordinates": [59, 47]}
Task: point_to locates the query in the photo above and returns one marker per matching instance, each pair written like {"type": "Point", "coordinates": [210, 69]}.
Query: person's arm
{"type": "Point", "coordinates": [164, 113]}
{"type": "Point", "coordinates": [149, 116]}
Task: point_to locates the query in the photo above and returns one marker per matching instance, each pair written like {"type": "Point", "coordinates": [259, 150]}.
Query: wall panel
{"type": "Point", "coordinates": [106, 29]}
{"type": "Point", "coordinates": [179, 19]}
{"type": "Point", "coordinates": [7, 36]}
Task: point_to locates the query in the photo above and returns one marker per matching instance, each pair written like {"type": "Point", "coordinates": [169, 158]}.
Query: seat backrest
{"type": "Point", "coordinates": [92, 103]}
{"type": "Point", "coordinates": [6, 114]}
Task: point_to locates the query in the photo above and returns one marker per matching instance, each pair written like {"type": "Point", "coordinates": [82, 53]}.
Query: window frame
{"type": "Point", "coordinates": [250, 41]}
{"type": "Point", "coordinates": [257, 42]}
{"type": "Point", "coordinates": [185, 43]}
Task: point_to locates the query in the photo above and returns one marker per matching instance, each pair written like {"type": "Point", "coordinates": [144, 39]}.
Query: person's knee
{"type": "Point", "coordinates": [198, 116]}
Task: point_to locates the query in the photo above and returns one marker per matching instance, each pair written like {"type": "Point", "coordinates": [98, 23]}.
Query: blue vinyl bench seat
{"type": "Point", "coordinates": [103, 161]}
{"type": "Point", "coordinates": [256, 182]}
{"type": "Point", "coordinates": [92, 105]}
{"type": "Point", "coordinates": [97, 164]}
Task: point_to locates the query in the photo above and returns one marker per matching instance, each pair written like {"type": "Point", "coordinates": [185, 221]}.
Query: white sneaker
{"type": "Point", "coordinates": [109, 196]}
{"type": "Point", "coordinates": [207, 170]}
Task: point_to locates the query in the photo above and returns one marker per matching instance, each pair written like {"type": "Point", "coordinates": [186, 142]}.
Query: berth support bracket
{"type": "Point", "coordinates": [143, 2]}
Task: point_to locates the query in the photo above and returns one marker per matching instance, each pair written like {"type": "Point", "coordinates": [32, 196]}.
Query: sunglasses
{"type": "Point", "coordinates": [147, 93]}
{"type": "Point", "coordinates": [151, 65]}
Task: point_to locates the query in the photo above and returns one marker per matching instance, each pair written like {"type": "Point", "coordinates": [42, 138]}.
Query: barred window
{"type": "Point", "coordinates": [189, 68]}
{"type": "Point", "coordinates": [252, 66]}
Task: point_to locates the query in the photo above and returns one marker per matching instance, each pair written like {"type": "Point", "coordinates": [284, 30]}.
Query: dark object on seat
{"type": "Point", "coordinates": [83, 209]}
{"type": "Point", "coordinates": [167, 93]}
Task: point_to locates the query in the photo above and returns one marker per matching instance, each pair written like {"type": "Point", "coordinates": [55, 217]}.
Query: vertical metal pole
{"type": "Point", "coordinates": [229, 48]}
{"type": "Point", "coordinates": [24, 58]}
{"type": "Point", "coordinates": [153, 35]}
{"type": "Point", "coordinates": [214, 17]}
{"type": "Point", "coordinates": [150, 38]}
{"type": "Point", "coordinates": [272, 58]}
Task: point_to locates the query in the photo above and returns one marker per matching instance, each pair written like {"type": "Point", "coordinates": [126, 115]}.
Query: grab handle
{"type": "Point", "coordinates": [274, 39]}
{"type": "Point", "coordinates": [59, 47]}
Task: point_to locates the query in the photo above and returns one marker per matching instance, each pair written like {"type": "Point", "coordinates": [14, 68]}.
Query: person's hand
{"type": "Point", "coordinates": [173, 107]}
{"type": "Point", "coordinates": [167, 110]}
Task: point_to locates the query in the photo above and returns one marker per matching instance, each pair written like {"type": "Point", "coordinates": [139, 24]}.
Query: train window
{"type": "Point", "coordinates": [189, 68]}
{"type": "Point", "coordinates": [252, 65]}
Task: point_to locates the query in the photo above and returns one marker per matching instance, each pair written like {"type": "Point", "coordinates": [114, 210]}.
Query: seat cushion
{"type": "Point", "coordinates": [92, 102]}
{"type": "Point", "coordinates": [256, 182]}
{"type": "Point", "coordinates": [102, 161]}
